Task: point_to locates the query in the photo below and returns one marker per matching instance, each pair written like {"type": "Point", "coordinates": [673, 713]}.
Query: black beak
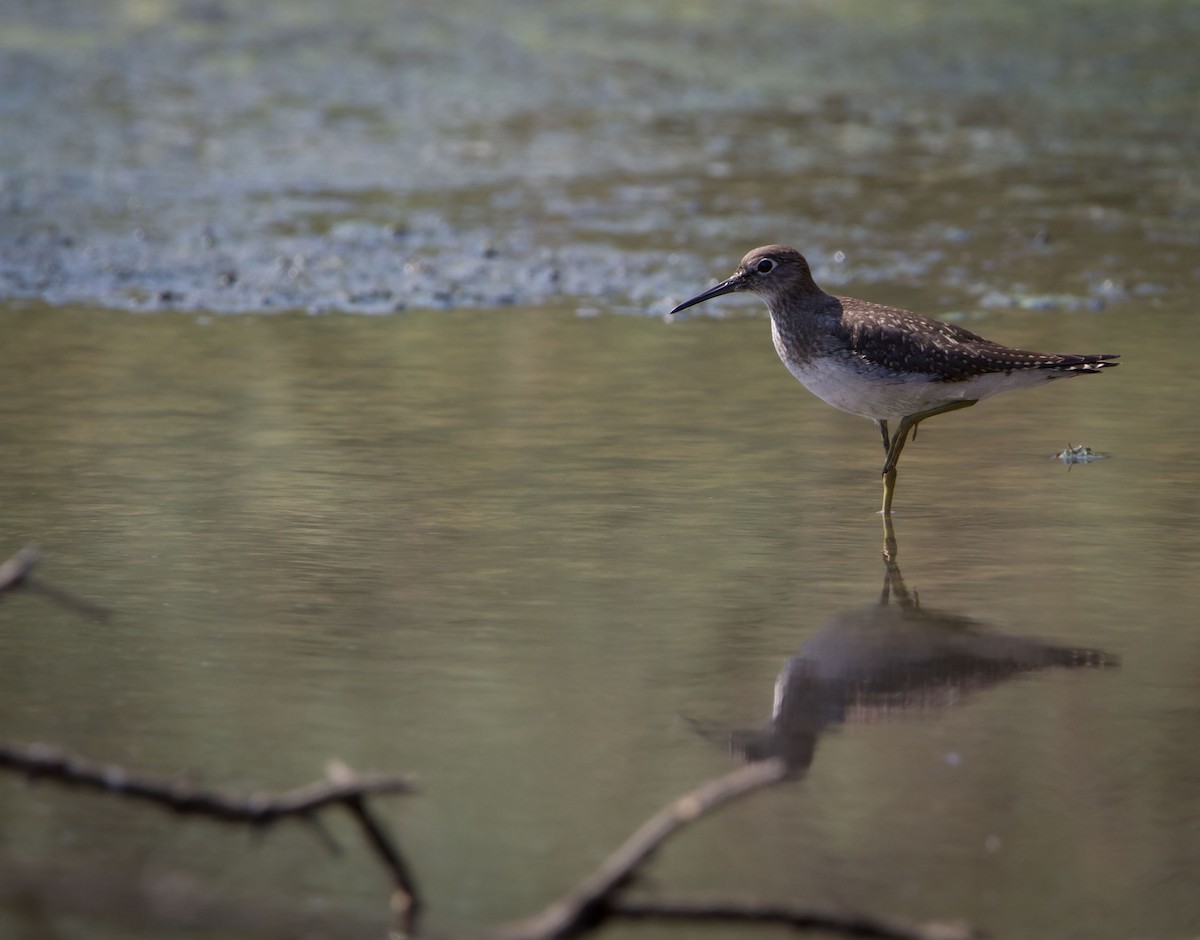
{"type": "Point", "coordinates": [737, 282]}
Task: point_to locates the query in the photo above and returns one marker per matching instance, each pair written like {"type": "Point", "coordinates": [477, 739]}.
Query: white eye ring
{"type": "Point", "coordinates": [766, 266]}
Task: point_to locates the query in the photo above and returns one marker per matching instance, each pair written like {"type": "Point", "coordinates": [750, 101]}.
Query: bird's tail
{"type": "Point", "coordinates": [1093, 362]}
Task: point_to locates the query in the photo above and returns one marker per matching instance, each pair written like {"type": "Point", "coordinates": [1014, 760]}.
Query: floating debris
{"type": "Point", "coordinates": [1078, 453]}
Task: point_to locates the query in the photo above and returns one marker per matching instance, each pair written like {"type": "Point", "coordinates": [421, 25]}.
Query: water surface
{"type": "Point", "coordinates": [521, 535]}
{"type": "Point", "coordinates": [525, 554]}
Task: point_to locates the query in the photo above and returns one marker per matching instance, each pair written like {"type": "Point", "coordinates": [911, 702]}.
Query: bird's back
{"type": "Point", "coordinates": [902, 342]}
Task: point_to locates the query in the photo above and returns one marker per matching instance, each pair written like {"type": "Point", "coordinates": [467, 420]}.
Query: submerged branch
{"type": "Point", "coordinates": [140, 903]}
{"type": "Point", "coordinates": [766, 913]}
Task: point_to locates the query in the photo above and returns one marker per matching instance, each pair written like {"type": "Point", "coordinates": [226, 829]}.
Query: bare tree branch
{"type": "Point", "coordinates": [406, 900]}
{"type": "Point", "coordinates": [345, 788]}
{"type": "Point", "coordinates": [592, 901]}
{"type": "Point", "coordinates": [599, 897]}
{"type": "Point", "coordinates": [40, 761]}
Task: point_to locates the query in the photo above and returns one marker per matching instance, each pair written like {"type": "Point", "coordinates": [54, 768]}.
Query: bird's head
{"type": "Point", "coordinates": [772, 271]}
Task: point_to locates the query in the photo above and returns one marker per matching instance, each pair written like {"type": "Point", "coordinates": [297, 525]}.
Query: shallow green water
{"type": "Point", "coordinates": [518, 553]}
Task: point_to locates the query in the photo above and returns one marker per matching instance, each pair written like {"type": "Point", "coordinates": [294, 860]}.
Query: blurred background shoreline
{"type": "Point", "coordinates": [371, 157]}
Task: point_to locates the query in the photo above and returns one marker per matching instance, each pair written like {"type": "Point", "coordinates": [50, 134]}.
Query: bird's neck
{"type": "Point", "coordinates": [800, 323]}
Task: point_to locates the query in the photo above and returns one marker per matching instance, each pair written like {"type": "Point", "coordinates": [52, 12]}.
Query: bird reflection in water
{"type": "Point", "coordinates": [889, 659]}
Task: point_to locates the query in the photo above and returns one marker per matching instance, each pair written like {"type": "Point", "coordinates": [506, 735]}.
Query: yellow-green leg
{"type": "Point", "coordinates": [882, 425]}
{"type": "Point", "coordinates": [889, 490]}
{"type": "Point", "coordinates": [896, 444]}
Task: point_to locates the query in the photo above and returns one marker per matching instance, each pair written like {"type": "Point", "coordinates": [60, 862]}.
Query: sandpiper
{"type": "Point", "coordinates": [883, 363]}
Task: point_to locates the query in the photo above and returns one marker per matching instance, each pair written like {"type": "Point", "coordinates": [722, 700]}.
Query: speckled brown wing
{"type": "Point", "coordinates": [904, 342]}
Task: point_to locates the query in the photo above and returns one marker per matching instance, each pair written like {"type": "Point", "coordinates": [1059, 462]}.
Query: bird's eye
{"type": "Point", "coordinates": [766, 266]}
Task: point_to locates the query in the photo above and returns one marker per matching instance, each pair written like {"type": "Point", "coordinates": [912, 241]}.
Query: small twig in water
{"type": "Point", "coordinates": [16, 569]}
{"type": "Point", "coordinates": [16, 572]}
